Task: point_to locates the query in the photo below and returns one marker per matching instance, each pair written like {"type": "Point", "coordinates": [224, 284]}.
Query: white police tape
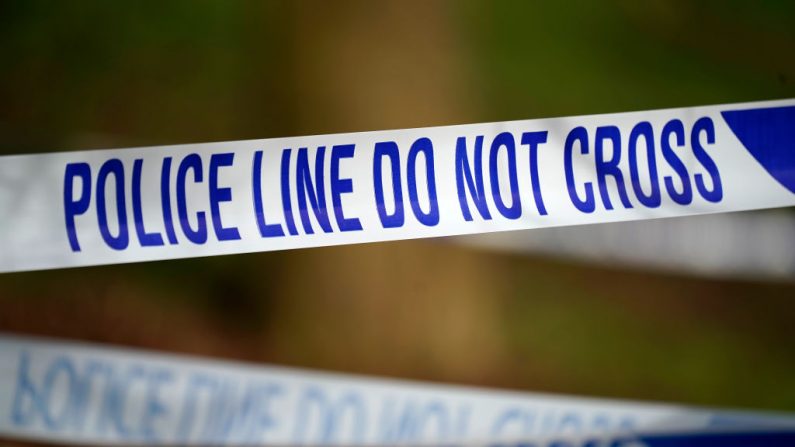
{"type": "Point", "coordinates": [749, 245]}
{"type": "Point", "coordinates": [67, 392]}
{"type": "Point", "coordinates": [125, 205]}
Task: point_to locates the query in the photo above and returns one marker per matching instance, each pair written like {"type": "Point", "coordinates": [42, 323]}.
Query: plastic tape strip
{"type": "Point", "coordinates": [751, 245]}
{"type": "Point", "coordinates": [77, 393]}
{"type": "Point", "coordinates": [126, 205]}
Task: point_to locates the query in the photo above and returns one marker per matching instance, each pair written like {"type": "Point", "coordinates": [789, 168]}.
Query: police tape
{"type": "Point", "coordinates": [67, 392]}
{"type": "Point", "coordinates": [126, 205]}
{"type": "Point", "coordinates": [752, 245]}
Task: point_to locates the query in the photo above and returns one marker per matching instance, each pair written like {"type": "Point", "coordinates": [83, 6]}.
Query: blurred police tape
{"type": "Point", "coordinates": [721, 438]}
{"type": "Point", "coordinates": [66, 392]}
{"type": "Point", "coordinates": [753, 245]}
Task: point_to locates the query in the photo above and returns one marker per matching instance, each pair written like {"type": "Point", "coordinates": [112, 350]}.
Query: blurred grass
{"type": "Point", "coordinates": [541, 59]}
{"type": "Point", "coordinates": [91, 74]}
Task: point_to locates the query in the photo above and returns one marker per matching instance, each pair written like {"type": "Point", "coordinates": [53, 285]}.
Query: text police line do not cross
{"type": "Point", "coordinates": [315, 193]}
{"type": "Point", "coordinates": [65, 392]}
{"type": "Point", "coordinates": [127, 205]}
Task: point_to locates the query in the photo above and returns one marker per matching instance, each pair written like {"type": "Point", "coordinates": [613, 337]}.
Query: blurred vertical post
{"type": "Point", "coordinates": [414, 308]}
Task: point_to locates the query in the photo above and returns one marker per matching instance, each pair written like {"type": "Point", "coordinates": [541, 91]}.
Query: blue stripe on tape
{"type": "Point", "coordinates": [769, 439]}
{"type": "Point", "coordinates": [769, 135]}
{"type": "Point", "coordinates": [737, 439]}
